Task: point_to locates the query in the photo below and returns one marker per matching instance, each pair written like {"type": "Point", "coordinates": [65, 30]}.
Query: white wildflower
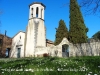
{"type": "Point", "coordinates": [58, 69]}
{"type": "Point", "coordinates": [38, 65]}
{"type": "Point", "coordinates": [21, 66]}
{"type": "Point", "coordinates": [64, 65]}
{"type": "Point", "coordinates": [99, 66]}
{"type": "Point", "coordinates": [32, 71]}
{"type": "Point", "coordinates": [61, 68]}
{"type": "Point", "coordinates": [90, 72]}
{"type": "Point", "coordinates": [26, 70]}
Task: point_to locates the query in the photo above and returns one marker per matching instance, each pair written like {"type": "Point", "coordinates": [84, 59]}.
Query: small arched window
{"type": "Point", "coordinates": [20, 37]}
{"type": "Point", "coordinates": [37, 10]}
{"type": "Point", "coordinates": [32, 12]}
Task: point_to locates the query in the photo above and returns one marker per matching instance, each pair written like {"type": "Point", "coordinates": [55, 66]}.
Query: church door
{"type": "Point", "coordinates": [7, 52]}
{"type": "Point", "coordinates": [18, 52]}
{"type": "Point", "coordinates": [65, 50]}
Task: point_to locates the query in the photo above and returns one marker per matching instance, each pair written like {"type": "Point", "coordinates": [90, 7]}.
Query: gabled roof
{"type": "Point", "coordinates": [49, 41]}
{"type": "Point", "coordinates": [64, 41]}
{"type": "Point", "coordinates": [18, 33]}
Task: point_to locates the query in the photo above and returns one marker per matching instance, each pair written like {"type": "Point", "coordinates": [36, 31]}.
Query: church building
{"type": "Point", "coordinates": [24, 43]}
{"type": "Point", "coordinates": [33, 42]}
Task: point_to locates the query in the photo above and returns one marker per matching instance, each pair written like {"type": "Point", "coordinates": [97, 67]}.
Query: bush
{"type": "Point", "coordinates": [45, 55]}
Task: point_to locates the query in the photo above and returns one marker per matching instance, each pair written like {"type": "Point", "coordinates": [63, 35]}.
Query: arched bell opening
{"type": "Point", "coordinates": [37, 10]}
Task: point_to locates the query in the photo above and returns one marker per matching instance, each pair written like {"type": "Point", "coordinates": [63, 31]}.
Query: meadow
{"type": "Point", "coordinates": [89, 65]}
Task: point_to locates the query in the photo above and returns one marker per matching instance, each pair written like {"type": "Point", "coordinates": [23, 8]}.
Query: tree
{"type": "Point", "coordinates": [92, 6]}
{"type": "Point", "coordinates": [78, 30]}
{"type": "Point", "coordinates": [61, 32]}
{"type": "Point", "coordinates": [96, 36]}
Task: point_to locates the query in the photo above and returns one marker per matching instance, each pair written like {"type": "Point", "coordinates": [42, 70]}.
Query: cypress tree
{"type": "Point", "coordinates": [77, 30]}
{"type": "Point", "coordinates": [61, 32]}
{"type": "Point", "coordinates": [96, 36]}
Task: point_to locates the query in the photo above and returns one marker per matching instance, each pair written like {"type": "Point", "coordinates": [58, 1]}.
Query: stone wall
{"type": "Point", "coordinates": [5, 43]}
{"type": "Point", "coordinates": [85, 49]}
{"type": "Point", "coordinates": [71, 50]}
{"type": "Point", "coordinates": [51, 51]}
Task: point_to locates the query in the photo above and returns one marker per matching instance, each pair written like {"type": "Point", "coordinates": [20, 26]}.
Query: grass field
{"type": "Point", "coordinates": [51, 66]}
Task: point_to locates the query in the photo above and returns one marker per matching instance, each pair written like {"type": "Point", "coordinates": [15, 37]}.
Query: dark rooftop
{"type": "Point", "coordinates": [4, 35]}
{"type": "Point", "coordinates": [38, 3]}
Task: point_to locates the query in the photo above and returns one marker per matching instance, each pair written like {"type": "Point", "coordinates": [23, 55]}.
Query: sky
{"type": "Point", "coordinates": [15, 15]}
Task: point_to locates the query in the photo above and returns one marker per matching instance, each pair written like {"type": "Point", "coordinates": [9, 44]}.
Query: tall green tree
{"type": "Point", "coordinates": [96, 36]}
{"type": "Point", "coordinates": [61, 32]}
{"type": "Point", "coordinates": [77, 30]}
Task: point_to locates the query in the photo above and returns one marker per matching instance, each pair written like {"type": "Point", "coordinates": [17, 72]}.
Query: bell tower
{"type": "Point", "coordinates": [36, 10]}
{"type": "Point", "coordinates": [35, 32]}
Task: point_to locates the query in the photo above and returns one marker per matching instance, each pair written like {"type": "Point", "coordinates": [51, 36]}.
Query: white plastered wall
{"type": "Point", "coordinates": [17, 40]}
{"type": "Point", "coordinates": [29, 49]}
{"type": "Point", "coordinates": [41, 37]}
{"type": "Point", "coordinates": [35, 33]}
